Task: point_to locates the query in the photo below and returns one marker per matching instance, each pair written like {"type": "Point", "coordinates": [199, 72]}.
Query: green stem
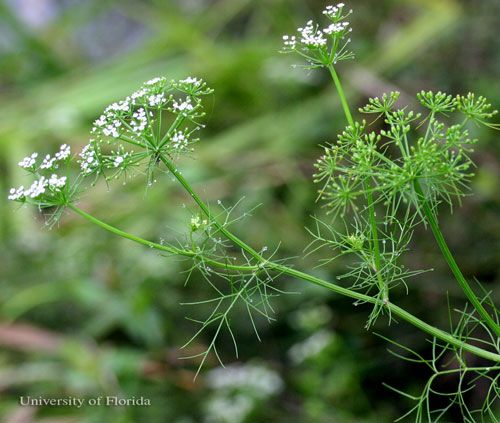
{"type": "Point", "coordinates": [166, 248]}
{"type": "Point", "coordinates": [178, 120]}
{"type": "Point", "coordinates": [395, 310]}
{"type": "Point", "coordinates": [448, 256]}
{"type": "Point", "coordinates": [170, 166]}
{"type": "Point", "coordinates": [376, 248]}
{"type": "Point", "coordinates": [341, 94]}
{"type": "Point", "coordinates": [369, 197]}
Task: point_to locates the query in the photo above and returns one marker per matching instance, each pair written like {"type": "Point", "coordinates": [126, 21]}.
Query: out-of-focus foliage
{"type": "Point", "coordinates": [85, 314]}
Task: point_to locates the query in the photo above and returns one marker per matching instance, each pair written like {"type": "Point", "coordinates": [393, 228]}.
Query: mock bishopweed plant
{"type": "Point", "coordinates": [379, 181]}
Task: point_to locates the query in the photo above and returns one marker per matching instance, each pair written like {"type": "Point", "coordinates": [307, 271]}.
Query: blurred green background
{"type": "Point", "coordinates": [84, 313]}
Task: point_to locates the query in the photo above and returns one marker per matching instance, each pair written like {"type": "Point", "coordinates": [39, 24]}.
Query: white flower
{"type": "Point", "coordinates": [118, 161]}
{"type": "Point", "coordinates": [101, 121]}
{"type": "Point", "coordinates": [261, 381]}
{"type": "Point", "coordinates": [57, 183]}
{"type": "Point", "coordinates": [336, 27]}
{"type": "Point", "coordinates": [197, 223]}
{"type": "Point", "coordinates": [311, 36]}
{"type": "Point", "coordinates": [48, 162]}
{"type": "Point", "coordinates": [195, 82]}
{"type": "Point", "coordinates": [16, 193]}
{"type": "Point", "coordinates": [156, 100]}
{"type": "Point", "coordinates": [334, 12]}
{"type": "Point", "coordinates": [137, 95]}
{"type": "Point", "coordinates": [64, 152]}
{"type": "Point", "coordinates": [122, 105]}
{"type": "Point", "coordinates": [88, 162]}
{"type": "Point", "coordinates": [184, 106]}
{"type": "Point", "coordinates": [156, 80]}
{"type": "Point", "coordinates": [228, 408]}
{"type": "Point", "coordinates": [289, 41]}
{"type": "Point", "coordinates": [314, 41]}
{"type": "Point", "coordinates": [140, 121]}
{"type": "Point", "coordinates": [111, 130]}
{"type": "Point", "coordinates": [37, 188]}
{"type": "Point", "coordinates": [111, 120]}
{"type": "Point", "coordinates": [179, 140]}
{"type": "Point", "coordinates": [28, 161]}
{"type": "Point", "coordinates": [311, 346]}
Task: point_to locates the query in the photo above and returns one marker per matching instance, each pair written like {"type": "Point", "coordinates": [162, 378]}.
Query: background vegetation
{"type": "Point", "coordinates": [84, 313]}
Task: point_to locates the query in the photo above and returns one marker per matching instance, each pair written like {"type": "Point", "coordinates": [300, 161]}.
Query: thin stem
{"type": "Point", "coordinates": [395, 310]}
{"type": "Point", "coordinates": [160, 247]}
{"type": "Point", "coordinates": [170, 166]}
{"type": "Point", "coordinates": [448, 256]}
{"type": "Point", "coordinates": [376, 248]}
{"type": "Point", "coordinates": [369, 197]}
{"type": "Point", "coordinates": [178, 120]}
{"type": "Point", "coordinates": [335, 288]}
{"type": "Point", "coordinates": [341, 94]}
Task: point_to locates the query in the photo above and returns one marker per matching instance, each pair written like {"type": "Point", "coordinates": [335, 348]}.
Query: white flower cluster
{"type": "Point", "coordinates": [195, 82]}
{"type": "Point", "coordinates": [312, 37]}
{"type": "Point", "coordinates": [109, 122]}
{"type": "Point", "coordinates": [311, 346]}
{"type": "Point", "coordinates": [40, 186]}
{"type": "Point", "coordinates": [238, 389]}
{"type": "Point", "coordinates": [136, 121]}
{"type": "Point", "coordinates": [113, 121]}
{"type": "Point", "coordinates": [193, 86]}
{"type": "Point", "coordinates": [37, 188]}
{"type": "Point", "coordinates": [336, 27]}
{"type": "Point", "coordinates": [197, 222]}
{"type": "Point", "coordinates": [183, 106]}
{"type": "Point", "coordinates": [334, 12]}
{"type": "Point", "coordinates": [179, 140]}
{"type": "Point", "coordinates": [290, 41]}
{"type": "Point", "coordinates": [64, 152]}
{"type": "Point", "coordinates": [139, 121]}
{"type": "Point", "coordinates": [29, 161]}
{"type": "Point", "coordinates": [57, 182]}
{"type": "Point", "coordinates": [157, 100]}
{"type": "Point", "coordinates": [118, 158]}
{"type": "Point", "coordinates": [16, 193]}
{"type": "Point", "coordinates": [261, 381]}
{"type": "Point", "coordinates": [88, 158]}
{"type": "Point", "coordinates": [49, 162]}
{"type": "Point", "coordinates": [156, 80]}
{"type": "Point", "coordinates": [234, 408]}
{"type": "Point", "coordinates": [118, 161]}
{"type": "Point", "coordinates": [130, 116]}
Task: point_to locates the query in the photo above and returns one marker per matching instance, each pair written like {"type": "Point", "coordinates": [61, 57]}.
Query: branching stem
{"type": "Point", "coordinates": [394, 309]}
{"type": "Point", "coordinates": [262, 262]}
{"type": "Point", "coordinates": [369, 197]}
{"type": "Point", "coordinates": [448, 256]}
{"type": "Point", "coordinates": [204, 208]}
{"type": "Point", "coordinates": [165, 248]}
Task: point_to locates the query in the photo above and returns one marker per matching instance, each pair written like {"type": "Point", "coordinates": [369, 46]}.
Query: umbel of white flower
{"type": "Point", "coordinates": [322, 46]}
{"type": "Point", "coordinates": [158, 119]}
{"type": "Point", "coordinates": [44, 184]}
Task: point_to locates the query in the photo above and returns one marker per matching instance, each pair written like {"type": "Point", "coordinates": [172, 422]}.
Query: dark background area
{"type": "Point", "coordinates": [84, 313]}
